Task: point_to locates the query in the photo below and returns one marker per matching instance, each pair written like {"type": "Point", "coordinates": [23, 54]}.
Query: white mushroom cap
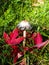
{"type": "Point", "coordinates": [24, 25]}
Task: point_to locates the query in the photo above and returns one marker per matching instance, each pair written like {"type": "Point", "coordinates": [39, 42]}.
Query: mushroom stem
{"type": "Point", "coordinates": [24, 35]}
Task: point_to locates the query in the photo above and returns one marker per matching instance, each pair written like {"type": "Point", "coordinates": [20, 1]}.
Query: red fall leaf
{"type": "Point", "coordinates": [12, 38]}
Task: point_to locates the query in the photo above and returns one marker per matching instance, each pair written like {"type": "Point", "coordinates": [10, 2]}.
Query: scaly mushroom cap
{"type": "Point", "coordinates": [24, 25]}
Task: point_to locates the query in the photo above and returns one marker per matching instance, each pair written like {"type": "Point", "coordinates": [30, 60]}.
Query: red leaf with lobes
{"type": "Point", "coordinates": [17, 41]}
{"type": "Point", "coordinates": [14, 34]}
{"type": "Point", "coordinates": [12, 40]}
{"type": "Point", "coordinates": [37, 38]}
{"type": "Point", "coordinates": [6, 37]}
